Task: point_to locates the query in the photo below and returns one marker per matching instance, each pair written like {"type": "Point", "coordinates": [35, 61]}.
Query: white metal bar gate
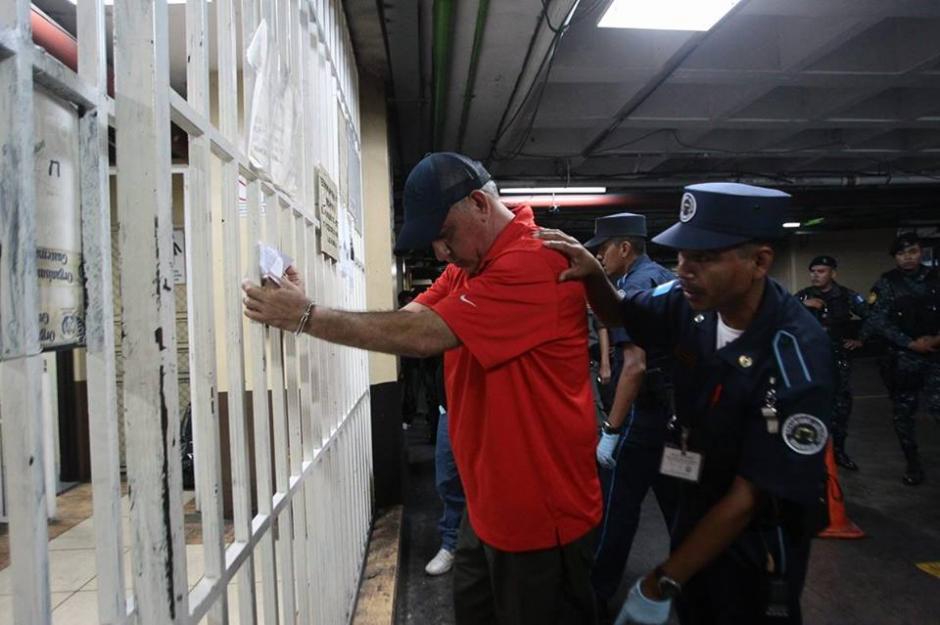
{"type": "Point", "coordinates": [302, 543]}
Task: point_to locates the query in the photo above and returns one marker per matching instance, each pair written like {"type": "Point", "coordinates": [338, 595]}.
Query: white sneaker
{"type": "Point", "coordinates": [440, 563]}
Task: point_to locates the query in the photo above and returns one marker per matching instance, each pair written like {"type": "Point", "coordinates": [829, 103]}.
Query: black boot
{"type": "Point", "coordinates": [843, 460]}
{"type": "Point", "coordinates": [914, 474]}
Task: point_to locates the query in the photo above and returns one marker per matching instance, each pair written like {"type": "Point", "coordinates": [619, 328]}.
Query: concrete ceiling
{"type": "Point", "coordinates": [804, 94]}
{"type": "Point", "coordinates": [801, 94]}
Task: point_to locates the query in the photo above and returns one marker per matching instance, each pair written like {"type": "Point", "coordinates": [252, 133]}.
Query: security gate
{"type": "Point", "coordinates": [271, 154]}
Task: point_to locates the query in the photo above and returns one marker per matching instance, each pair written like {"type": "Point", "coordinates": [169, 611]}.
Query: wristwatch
{"type": "Point", "coordinates": [607, 428]}
{"type": "Point", "coordinates": [668, 587]}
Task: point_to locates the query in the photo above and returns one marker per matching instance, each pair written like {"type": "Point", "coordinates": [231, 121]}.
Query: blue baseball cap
{"type": "Point", "coordinates": [717, 215]}
{"type": "Point", "coordinates": [436, 183]}
{"type": "Point", "coordinates": [615, 227]}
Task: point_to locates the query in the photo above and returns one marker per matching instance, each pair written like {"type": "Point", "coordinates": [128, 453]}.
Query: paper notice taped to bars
{"type": "Point", "coordinates": [273, 262]}
{"type": "Point", "coordinates": [273, 113]}
{"type": "Point", "coordinates": [59, 260]}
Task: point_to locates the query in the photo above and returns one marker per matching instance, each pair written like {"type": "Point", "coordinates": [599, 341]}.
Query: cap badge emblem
{"type": "Point", "coordinates": [745, 361]}
{"type": "Point", "coordinates": [687, 207]}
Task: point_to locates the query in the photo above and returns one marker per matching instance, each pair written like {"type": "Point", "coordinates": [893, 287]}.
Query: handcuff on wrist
{"type": "Point", "coordinates": [607, 428]}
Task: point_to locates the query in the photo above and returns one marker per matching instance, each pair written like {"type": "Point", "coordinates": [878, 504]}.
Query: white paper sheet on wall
{"type": "Point", "coordinates": [273, 140]}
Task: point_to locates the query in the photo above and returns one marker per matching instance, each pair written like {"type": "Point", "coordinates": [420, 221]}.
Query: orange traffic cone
{"type": "Point", "coordinates": [839, 524]}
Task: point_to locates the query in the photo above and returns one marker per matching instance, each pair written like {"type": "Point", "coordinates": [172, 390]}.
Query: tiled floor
{"type": "Point", "coordinates": [72, 573]}
{"type": "Point", "coordinates": [72, 507]}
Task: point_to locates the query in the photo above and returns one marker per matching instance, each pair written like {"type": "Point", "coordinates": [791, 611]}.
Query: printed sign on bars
{"type": "Point", "coordinates": [58, 224]}
{"type": "Point", "coordinates": [328, 214]}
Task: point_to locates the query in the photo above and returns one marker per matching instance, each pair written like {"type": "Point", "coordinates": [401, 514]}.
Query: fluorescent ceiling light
{"type": "Point", "coordinates": [550, 190]}
{"type": "Point", "coordinates": [665, 14]}
{"type": "Point", "coordinates": [111, 2]}
{"type": "Point", "coordinates": [791, 224]}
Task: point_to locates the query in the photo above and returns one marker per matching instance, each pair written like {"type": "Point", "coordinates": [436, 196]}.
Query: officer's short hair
{"type": "Point", "coordinates": [637, 243]}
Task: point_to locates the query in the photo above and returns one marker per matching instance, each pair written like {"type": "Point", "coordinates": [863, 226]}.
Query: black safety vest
{"type": "Point", "coordinates": [917, 311]}
{"type": "Point", "coordinates": [836, 317]}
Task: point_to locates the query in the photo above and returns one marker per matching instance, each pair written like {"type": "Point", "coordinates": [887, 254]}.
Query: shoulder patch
{"type": "Point", "coordinates": [664, 288]}
{"type": "Point", "coordinates": [804, 434]}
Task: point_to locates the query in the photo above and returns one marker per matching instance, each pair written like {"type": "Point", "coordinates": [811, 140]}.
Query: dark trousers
{"type": "Point", "coordinates": [912, 373]}
{"type": "Point", "coordinates": [842, 407]}
{"type": "Point", "coordinates": [624, 489]}
{"type": "Point", "coordinates": [543, 587]}
{"type": "Point", "coordinates": [733, 590]}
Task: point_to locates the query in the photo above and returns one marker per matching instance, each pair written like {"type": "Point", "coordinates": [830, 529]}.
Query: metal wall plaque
{"type": "Point", "coordinates": [328, 214]}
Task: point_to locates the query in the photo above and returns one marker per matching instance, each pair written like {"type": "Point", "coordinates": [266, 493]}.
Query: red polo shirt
{"type": "Point", "coordinates": [521, 416]}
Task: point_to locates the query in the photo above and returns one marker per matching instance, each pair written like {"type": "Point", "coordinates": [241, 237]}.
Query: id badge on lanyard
{"type": "Point", "coordinates": [681, 463]}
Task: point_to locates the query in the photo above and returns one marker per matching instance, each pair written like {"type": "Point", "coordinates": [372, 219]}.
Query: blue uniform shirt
{"type": "Point", "coordinates": [647, 424]}
{"type": "Point", "coordinates": [643, 274]}
{"type": "Point", "coordinates": [719, 395]}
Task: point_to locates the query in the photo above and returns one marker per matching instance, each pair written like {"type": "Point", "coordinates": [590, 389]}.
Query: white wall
{"type": "Point", "coordinates": [862, 256]}
{"type": "Point", "coordinates": [377, 201]}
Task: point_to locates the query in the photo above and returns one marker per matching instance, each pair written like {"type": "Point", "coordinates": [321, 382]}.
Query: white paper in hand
{"type": "Point", "coordinates": [273, 262]}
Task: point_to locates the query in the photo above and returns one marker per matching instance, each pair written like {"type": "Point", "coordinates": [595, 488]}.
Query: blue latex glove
{"type": "Point", "coordinates": [639, 609]}
{"type": "Point", "coordinates": [606, 448]}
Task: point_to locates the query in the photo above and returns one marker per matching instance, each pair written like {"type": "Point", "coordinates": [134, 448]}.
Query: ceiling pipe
{"type": "Point", "coordinates": [482, 11]}
{"type": "Point", "coordinates": [442, 44]}
{"type": "Point", "coordinates": [58, 42]}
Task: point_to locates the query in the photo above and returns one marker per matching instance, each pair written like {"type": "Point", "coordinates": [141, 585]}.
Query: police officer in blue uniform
{"type": "Point", "coordinates": [834, 305]}
{"type": "Point", "coordinates": [633, 435]}
{"type": "Point", "coordinates": [754, 385]}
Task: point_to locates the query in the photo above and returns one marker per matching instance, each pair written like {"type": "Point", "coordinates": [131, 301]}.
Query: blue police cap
{"type": "Point", "coordinates": [436, 183]}
{"type": "Point", "coordinates": [616, 226]}
{"type": "Point", "coordinates": [716, 215]}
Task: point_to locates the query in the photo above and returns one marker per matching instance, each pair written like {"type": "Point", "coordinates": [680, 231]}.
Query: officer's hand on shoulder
{"type": "Point", "coordinates": [814, 302]}
{"type": "Point", "coordinates": [583, 264]}
{"type": "Point", "coordinates": [851, 344]}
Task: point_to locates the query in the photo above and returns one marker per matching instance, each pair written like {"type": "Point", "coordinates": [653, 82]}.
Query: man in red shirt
{"type": "Point", "coordinates": [521, 413]}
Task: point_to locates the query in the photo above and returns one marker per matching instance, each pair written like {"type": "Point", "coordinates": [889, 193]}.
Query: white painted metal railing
{"type": "Point", "coordinates": [309, 435]}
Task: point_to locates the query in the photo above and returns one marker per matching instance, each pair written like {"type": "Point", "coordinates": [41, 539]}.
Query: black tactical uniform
{"type": "Point", "coordinates": [841, 304]}
{"type": "Point", "coordinates": [906, 306]}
